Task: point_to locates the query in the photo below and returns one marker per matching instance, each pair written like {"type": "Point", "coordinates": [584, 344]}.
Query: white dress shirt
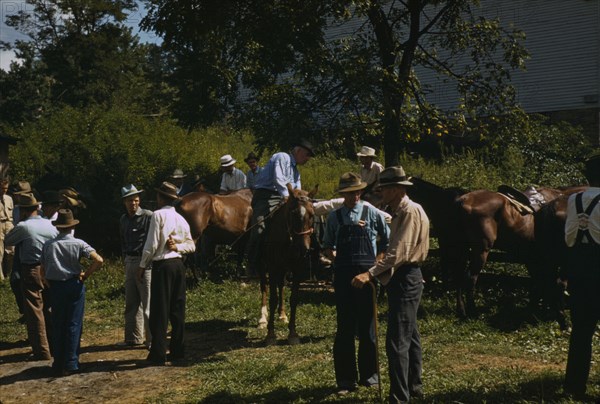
{"type": "Point", "coordinates": [166, 222]}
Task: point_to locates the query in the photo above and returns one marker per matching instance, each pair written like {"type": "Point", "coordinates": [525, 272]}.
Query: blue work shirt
{"type": "Point", "coordinates": [251, 177]}
{"type": "Point", "coordinates": [277, 173]}
{"type": "Point", "coordinates": [31, 234]}
{"type": "Point", "coordinates": [374, 224]}
{"type": "Point", "coordinates": [61, 256]}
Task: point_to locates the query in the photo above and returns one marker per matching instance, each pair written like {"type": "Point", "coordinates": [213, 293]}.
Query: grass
{"type": "Point", "coordinates": [504, 356]}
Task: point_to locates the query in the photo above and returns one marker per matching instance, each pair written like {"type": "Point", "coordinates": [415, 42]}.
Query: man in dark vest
{"type": "Point", "coordinates": [352, 232]}
{"type": "Point", "coordinates": [582, 235]}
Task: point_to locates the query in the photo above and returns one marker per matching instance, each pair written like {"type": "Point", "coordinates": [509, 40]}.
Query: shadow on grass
{"type": "Point", "coordinates": [281, 395]}
{"type": "Point", "coordinates": [540, 389]}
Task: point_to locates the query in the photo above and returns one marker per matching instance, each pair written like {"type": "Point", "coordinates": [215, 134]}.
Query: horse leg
{"type": "Point", "coordinates": [476, 263]}
{"type": "Point", "coordinates": [281, 302]}
{"type": "Point", "coordinates": [271, 338]}
{"type": "Point", "coordinates": [458, 269]}
{"type": "Point", "coordinates": [262, 322]}
{"type": "Point", "coordinates": [293, 338]}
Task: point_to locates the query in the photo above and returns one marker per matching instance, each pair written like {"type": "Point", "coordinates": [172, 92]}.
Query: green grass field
{"type": "Point", "coordinates": [507, 355]}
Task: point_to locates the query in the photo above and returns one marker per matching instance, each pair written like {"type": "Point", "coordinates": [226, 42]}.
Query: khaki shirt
{"type": "Point", "coordinates": [409, 240]}
{"type": "Point", "coordinates": [6, 208]}
{"type": "Point", "coordinates": [371, 175]}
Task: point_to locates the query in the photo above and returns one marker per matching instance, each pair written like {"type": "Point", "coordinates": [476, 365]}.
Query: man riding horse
{"type": "Point", "coordinates": [271, 191]}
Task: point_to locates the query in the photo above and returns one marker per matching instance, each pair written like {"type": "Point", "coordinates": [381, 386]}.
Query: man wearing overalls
{"type": "Point", "coordinates": [582, 235]}
{"type": "Point", "coordinates": [352, 232]}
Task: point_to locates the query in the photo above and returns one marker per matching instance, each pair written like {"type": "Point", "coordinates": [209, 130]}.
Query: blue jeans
{"type": "Point", "coordinates": [67, 301]}
{"type": "Point", "coordinates": [403, 341]}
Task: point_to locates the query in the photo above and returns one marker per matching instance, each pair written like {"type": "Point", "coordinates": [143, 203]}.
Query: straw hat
{"type": "Point", "coordinates": [366, 152]}
{"type": "Point", "coordinates": [178, 173]}
{"type": "Point", "coordinates": [227, 160]}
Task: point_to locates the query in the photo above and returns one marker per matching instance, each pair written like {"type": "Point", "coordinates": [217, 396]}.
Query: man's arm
{"type": "Point", "coordinates": [16, 235]}
{"type": "Point", "coordinates": [96, 264]}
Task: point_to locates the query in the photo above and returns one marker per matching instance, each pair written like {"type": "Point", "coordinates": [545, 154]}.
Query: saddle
{"type": "Point", "coordinates": [526, 202]}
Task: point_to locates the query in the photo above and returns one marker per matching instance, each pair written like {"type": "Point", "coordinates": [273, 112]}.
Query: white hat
{"type": "Point", "coordinates": [366, 151]}
{"type": "Point", "coordinates": [178, 173]}
{"type": "Point", "coordinates": [227, 160]}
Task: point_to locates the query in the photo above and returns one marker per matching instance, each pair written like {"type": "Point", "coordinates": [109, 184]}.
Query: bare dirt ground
{"type": "Point", "coordinates": [109, 374]}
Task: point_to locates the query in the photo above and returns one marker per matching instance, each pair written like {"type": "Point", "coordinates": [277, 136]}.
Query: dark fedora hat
{"type": "Point", "coordinates": [306, 145]}
{"type": "Point", "coordinates": [65, 219]}
{"type": "Point", "coordinates": [251, 156]}
{"type": "Point", "coordinates": [393, 176]}
{"type": "Point", "coordinates": [167, 189]}
{"type": "Point", "coordinates": [350, 182]}
{"type": "Point", "coordinates": [28, 201]}
{"type": "Point", "coordinates": [51, 197]}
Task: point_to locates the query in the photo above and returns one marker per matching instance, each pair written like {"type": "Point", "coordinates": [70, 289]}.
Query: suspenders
{"type": "Point", "coordinates": [583, 217]}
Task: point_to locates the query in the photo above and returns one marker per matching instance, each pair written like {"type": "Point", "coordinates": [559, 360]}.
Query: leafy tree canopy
{"type": "Point", "coordinates": [343, 71]}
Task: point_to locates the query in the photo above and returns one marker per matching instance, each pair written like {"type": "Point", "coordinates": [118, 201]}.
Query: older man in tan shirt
{"type": "Point", "coordinates": [400, 271]}
{"type": "Point", "coordinates": [6, 221]}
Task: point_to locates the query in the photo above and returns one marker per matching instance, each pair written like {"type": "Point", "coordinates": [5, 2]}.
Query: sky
{"type": "Point", "coordinates": [7, 34]}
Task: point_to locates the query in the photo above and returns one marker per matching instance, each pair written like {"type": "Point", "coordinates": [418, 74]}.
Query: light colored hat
{"type": "Point", "coordinates": [129, 190]}
{"type": "Point", "coordinates": [227, 160]}
{"type": "Point", "coordinates": [366, 151]}
{"type": "Point", "coordinates": [65, 219]}
{"type": "Point", "coordinates": [178, 173]}
{"type": "Point", "coordinates": [167, 189]}
{"type": "Point", "coordinates": [350, 182]}
{"type": "Point", "coordinates": [393, 176]}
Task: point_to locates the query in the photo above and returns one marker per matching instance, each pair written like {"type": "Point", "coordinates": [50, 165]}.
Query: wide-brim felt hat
{"type": "Point", "coordinates": [72, 197]}
{"type": "Point", "coordinates": [28, 200]}
{"type": "Point", "coordinates": [227, 160]}
{"type": "Point", "coordinates": [23, 187]}
{"type": "Point", "coordinates": [306, 145]}
{"type": "Point", "coordinates": [65, 219]}
{"type": "Point", "coordinates": [393, 176]}
{"type": "Point", "coordinates": [51, 197]}
{"type": "Point", "coordinates": [251, 156]}
{"type": "Point", "coordinates": [366, 151]}
{"type": "Point", "coordinates": [130, 190]}
{"type": "Point", "coordinates": [167, 189]}
{"type": "Point", "coordinates": [350, 182]}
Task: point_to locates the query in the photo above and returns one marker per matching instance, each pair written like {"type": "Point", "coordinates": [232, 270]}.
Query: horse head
{"type": "Point", "coordinates": [300, 214]}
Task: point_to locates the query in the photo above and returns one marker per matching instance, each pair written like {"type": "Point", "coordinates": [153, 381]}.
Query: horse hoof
{"type": "Point", "coordinates": [294, 340]}
{"type": "Point", "coordinates": [262, 325]}
{"type": "Point", "coordinates": [284, 319]}
{"type": "Point", "coordinates": [270, 341]}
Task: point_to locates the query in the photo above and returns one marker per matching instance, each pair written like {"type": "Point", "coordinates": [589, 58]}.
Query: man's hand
{"type": "Point", "coordinates": [140, 273]}
{"type": "Point", "coordinates": [329, 254]}
{"type": "Point", "coordinates": [171, 245]}
{"type": "Point", "coordinates": [361, 280]}
{"type": "Point", "coordinates": [82, 276]}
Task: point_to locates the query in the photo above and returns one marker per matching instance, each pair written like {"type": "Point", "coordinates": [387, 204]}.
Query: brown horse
{"type": "Point", "coordinates": [286, 247]}
{"type": "Point", "coordinates": [490, 220]}
{"type": "Point", "coordinates": [217, 219]}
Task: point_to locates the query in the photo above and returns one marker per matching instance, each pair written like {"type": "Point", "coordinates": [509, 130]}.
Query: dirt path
{"type": "Point", "coordinates": [108, 374]}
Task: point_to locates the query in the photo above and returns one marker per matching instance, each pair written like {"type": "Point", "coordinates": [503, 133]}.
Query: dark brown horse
{"type": "Point", "coordinates": [490, 220]}
{"type": "Point", "coordinates": [286, 247]}
{"type": "Point", "coordinates": [217, 219]}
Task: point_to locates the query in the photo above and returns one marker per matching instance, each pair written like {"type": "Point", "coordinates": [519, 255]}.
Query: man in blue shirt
{"type": "Point", "coordinates": [30, 235]}
{"type": "Point", "coordinates": [254, 169]}
{"type": "Point", "coordinates": [352, 232]}
{"type": "Point", "coordinates": [270, 191]}
{"type": "Point", "coordinates": [61, 267]}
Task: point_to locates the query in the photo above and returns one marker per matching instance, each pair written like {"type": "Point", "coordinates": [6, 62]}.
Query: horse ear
{"type": "Point", "coordinates": [314, 191]}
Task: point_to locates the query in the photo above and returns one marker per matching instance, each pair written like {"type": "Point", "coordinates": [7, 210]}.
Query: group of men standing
{"type": "Point", "coordinates": [49, 275]}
